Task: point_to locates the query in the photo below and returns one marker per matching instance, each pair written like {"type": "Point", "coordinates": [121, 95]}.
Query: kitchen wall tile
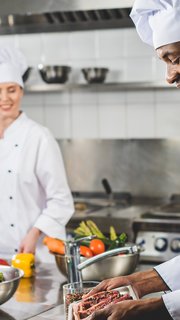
{"type": "Point", "coordinates": [140, 120]}
{"type": "Point", "coordinates": [82, 45]}
{"type": "Point", "coordinates": [8, 40]}
{"type": "Point", "coordinates": [30, 99]}
{"type": "Point", "coordinates": [58, 120]}
{"type": "Point", "coordinates": [168, 96]}
{"type": "Point", "coordinates": [111, 43]}
{"type": "Point", "coordinates": [167, 120]}
{"type": "Point", "coordinates": [139, 69]}
{"type": "Point", "coordinates": [159, 70]}
{"type": "Point", "coordinates": [111, 98]}
{"type": "Point", "coordinates": [133, 45]}
{"type": "Point", "coordinates": [141, 97]}
{"type": "Point", "coordinates": [112, 121]}
{"type": "Point", "coordinates": [35, 112]}
{"type": "Point", "coordinates": [84, 122]}
{"type": "Point", "coordinates": [55, 48]}
{"type": "Point", "coordinates": [30, 44]}
{"type": "Point", "coordinates": [84, 98]}
{"type": "Point", "coordinates": [56, 98]}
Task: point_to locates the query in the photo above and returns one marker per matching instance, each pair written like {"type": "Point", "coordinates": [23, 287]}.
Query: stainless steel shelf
{"type": "Point", "coordinates": [99, 87]}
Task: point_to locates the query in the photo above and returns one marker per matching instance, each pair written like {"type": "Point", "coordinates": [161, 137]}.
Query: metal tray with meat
{"type": "Point", "coordinates": [82, 309]}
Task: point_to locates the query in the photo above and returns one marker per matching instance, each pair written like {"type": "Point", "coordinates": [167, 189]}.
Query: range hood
{"type": "Point", "coordinates": [34, 16]}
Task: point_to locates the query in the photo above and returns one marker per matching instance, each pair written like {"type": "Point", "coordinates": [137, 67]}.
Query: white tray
{"type": "Point", "coordinates": [123, 290]}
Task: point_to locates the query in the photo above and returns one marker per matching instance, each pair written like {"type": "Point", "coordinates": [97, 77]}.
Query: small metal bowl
{"type": "Point", "coordinates": [109, 267]}
{"type": "Point", "coordinates": [27, 74]}
{"type": "Point", "coordinates": [95, 75]}
{"type": "Point", "coordinates": [8, 287]}
{"type": "Point", "coordinates": [54, 74]}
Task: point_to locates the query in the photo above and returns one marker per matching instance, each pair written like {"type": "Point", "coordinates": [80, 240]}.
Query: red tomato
{"type": "Point", "coordinates": [85, 251]}
{"type": "Point", "coordinates": [4, 262]}
{"type": "Point", "coordinates": [97, 246]}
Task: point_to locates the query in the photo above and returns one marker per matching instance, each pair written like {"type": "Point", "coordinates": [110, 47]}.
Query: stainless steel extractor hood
{"type": "Point", "coordinates": [32, 16]}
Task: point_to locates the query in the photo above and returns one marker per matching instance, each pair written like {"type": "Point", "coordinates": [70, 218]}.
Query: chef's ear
{"type": "Point", "coordinates": [22, 91]}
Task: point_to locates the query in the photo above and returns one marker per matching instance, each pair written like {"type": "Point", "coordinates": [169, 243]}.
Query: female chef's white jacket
{"type": "Point", "coordinates": [33, 186]}
{"type": "Point", "coordinates": [170, 273]}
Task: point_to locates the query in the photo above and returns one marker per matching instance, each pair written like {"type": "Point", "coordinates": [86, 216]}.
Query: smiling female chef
{"type": "Point", "coordinates": [158, 24]}
{"type": "Point", "coordinates": [34, 195]}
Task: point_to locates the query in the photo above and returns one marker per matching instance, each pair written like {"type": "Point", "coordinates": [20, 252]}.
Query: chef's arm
{"type": "Point", "coordinates": [28, 243]}
{"type": "Point", "coordinates": [147, 282]}
{"type": "Point", "coordinates": [142, 282]}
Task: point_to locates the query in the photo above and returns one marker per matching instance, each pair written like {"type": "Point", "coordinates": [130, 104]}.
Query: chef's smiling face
{"type": "Point", "coordinates": [10, 100]}
{"type": "Point", "coordinates": [170, 54]}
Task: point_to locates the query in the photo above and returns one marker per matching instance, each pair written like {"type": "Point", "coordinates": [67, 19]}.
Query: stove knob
{"type": "Point", "coordinates": [175, 245]}
{"type": "Point", "coordinates": [161, 244]}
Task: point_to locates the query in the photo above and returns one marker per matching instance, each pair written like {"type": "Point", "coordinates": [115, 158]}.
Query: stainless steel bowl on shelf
{"type": "Point", "coordinates": [108, 267]}
{"type": "Point", "coordinates": [12, 278]}
{"type": "Point", "coordinates": [95, 75]}
{"type": "Point", "coordinates": [27, 74]}
{"type": "Point", "coordinates": [54, 74]}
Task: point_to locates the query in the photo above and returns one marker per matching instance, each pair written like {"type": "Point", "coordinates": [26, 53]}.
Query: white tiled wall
{"type": "Point", "coordinates": [100, 115]}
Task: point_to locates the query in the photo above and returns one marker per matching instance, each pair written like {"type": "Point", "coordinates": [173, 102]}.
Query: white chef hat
{"type": "Point", "coordinates": [12, 65]}
{"type": "Point", "coordinates": [157, 21]}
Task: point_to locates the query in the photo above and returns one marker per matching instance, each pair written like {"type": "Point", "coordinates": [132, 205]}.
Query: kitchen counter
{"type": "Point", "coordinates": [35, 295]}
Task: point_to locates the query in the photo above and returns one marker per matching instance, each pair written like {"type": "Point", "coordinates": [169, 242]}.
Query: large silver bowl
{"type": "Point", "coordinates": [109, 267]}
{"type": "Point", "coordinates": [8, 287]}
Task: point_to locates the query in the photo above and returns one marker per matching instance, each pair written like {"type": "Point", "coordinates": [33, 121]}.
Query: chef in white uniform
{"type": "Point", "coordinates": [158, 24]}
{"type": "Point", "coordinates": [35, 199]}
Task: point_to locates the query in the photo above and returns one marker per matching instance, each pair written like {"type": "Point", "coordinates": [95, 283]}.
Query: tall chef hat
{"type": "Point", "coordinates": [157, 21]}
{"type": "Point", "coordinates": [12, 65]}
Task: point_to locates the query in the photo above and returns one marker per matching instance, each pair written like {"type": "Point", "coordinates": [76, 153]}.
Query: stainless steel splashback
{"type": "Point", "coordinates": [24, 16]}
{"type": "Point", "coordinates": [142, 167]}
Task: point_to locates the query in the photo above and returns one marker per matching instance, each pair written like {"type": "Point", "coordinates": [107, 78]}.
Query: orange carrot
{"type": "Point", "coordinates": [54, 245]}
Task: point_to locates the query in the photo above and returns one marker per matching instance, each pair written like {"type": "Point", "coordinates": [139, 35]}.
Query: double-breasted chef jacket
{"type": "Point", "coordinates": [33, 186]}
{"type": "Point", "coordinates": [170, 273]}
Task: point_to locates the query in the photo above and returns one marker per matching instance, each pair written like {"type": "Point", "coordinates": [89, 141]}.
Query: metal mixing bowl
{"type": "Point", "coordinates": [109, 267]}
{"type": "Point", "coordinates": [27, 74]}
{"type": "Point", "coordinates": [54, 74]}
{"type": "Point", "coordinates": [95, 75]}
{"type": "Point", "coordinates": [8, 287]}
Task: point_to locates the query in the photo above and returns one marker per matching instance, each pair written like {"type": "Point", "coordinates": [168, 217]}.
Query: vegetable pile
{"type": "Point", "coordinates": [89, 248]}
{"type": "Point", "coordinates": [101, 243]}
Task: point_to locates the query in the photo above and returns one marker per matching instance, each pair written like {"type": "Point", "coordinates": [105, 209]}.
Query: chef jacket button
{"type": "Point", "coordinates": [9, 171]}
{"type": "Point", "coordinates": [12, 224]}
{"type": "Point", "coordinates": [10, 197]}
{"type": "Point", "coordinates": [16, 145]}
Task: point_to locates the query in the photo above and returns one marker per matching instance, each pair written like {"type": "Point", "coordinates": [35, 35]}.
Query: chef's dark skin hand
{"type": "Point", "coordinates": [133, 310]}
{"type": "Point", "coordinates": [142, 282]}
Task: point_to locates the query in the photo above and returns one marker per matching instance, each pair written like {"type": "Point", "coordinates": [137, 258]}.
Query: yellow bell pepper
{"type": "Point", "coordinates": [25, 262]}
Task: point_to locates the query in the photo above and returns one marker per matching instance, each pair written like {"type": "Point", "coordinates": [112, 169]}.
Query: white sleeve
{"type": "Point", "coordinates": [170, 272]}
{"type": "Point", "coordinates": [172, 303]}
{"type": "Point", "coordinates": [51, 174]}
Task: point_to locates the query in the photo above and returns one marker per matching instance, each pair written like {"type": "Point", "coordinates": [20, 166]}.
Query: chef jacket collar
{"type": "Point", "coordinates": [15, 125]}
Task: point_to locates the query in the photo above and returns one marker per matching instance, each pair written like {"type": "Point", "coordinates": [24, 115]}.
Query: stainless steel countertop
{"type": "Point", "coordinates": [35, 295]}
